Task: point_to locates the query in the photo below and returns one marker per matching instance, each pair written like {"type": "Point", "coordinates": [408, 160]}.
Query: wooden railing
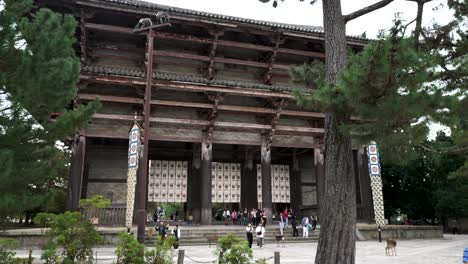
{"type": "Point", "coordinates": [114, 216]}
{"type": "Point", "coordinates": [364, 214]}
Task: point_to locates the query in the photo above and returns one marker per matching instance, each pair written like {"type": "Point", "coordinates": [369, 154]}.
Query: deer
{"type": "Point", "coordinates": [390, 249]}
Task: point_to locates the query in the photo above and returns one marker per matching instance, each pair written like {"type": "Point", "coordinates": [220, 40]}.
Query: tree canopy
{"type": "Point", "coordinates": [38, 76]}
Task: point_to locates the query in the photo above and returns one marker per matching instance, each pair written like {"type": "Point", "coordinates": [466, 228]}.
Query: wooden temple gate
{"type": "Point", "coordinates": [217, 92]}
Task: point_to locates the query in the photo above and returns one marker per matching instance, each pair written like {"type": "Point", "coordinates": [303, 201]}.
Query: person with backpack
{"type": "Point", "coordinates": [305, 227]}
{"type": "Point", "coordinates": [260, 231]}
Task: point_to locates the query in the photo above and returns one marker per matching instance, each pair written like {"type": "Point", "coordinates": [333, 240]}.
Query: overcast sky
{"type": "Point", "coordinates": [296, 12]}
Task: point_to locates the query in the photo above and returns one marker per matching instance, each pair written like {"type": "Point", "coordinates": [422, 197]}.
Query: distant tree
{"type": "Point", "coordinates": [396, 86]}
{"type": "Point", "coordinates": [38, 76]}
{"type": "Point", "coordinates": [415, 187]}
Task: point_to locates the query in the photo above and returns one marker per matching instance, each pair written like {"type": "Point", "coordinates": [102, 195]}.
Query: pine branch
{"type": "Point", "coordinates": [366, 10]}
{"type": "Point", "coordinates": [450, 150]}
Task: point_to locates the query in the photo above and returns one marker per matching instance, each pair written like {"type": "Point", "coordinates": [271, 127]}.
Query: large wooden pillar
{"type": "Point", "coordinates": [266, 178]}
{"type": "Point", "coordinates": [248, 181]}
{"type": "Point", "coordinates": [295, 183]}
{"type": "Point", "coordinates": [76, 174]}
{"type": "Point", "coordinates": [205, 181]}
{"type": "Point", "coordinates": [320, 174]}
{"type": "Point", "coordinates": [193, 184]}
{"type": "Point", "coordinates": [367, 208]}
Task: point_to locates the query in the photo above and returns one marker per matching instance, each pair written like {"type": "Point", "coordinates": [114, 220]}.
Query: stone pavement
{"type": "Point", "coordinates": [448, 250]}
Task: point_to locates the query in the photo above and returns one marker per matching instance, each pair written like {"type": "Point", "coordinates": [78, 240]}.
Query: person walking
{"type": "Point", "coordinates": [161, 230]}
{"type": "Point", "coordinates": [305, 227]}
{"type": "Point", "coordinates": [260, 231]}
{"type": "Point", "coordinates": [249, 232]}
{"type": "Point", "coordinates": [294, 226]}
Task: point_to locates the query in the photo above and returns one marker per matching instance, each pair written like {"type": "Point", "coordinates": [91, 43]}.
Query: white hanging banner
{"type": "Point", "coordinates": [376, 183]}
{"type": "Point", "coordinates": [133, 155]}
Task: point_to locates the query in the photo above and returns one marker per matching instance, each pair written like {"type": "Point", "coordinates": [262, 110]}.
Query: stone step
{"type": "Point", "coordinates": [195, 236]}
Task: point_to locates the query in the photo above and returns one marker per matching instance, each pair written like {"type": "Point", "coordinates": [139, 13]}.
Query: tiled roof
{"type": "Point", "coordinates": [104, 70]}
{"type": "Point", "coordinates": [138, 5]}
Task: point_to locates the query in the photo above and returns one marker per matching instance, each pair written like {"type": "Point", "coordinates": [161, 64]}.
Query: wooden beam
{"type": "Point", "coordinates": [229, 126]}
{"type": "Point", "coordinates": [218, 59]}
{"type": "Point", "coordinates": [173, 85]}
{"type": "Point", "coordinates": [234, 44]}
{"type": "Point", "coordinates": [119, 132]}
{"type": "Point", "coordinates": [228, 108]}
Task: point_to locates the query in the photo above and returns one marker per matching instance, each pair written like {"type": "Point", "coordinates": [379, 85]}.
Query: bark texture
{"type": "Point", "coordinates": [338, 211]}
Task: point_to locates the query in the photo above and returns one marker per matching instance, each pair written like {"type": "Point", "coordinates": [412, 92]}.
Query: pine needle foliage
{"type": "Point", "coordinates": [38, 76]}
{"type": "Point", "coordinates": [397, 86]}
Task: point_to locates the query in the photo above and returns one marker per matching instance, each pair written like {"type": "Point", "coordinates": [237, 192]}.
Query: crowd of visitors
{"type": "Point", "coordinates": [254, 220]}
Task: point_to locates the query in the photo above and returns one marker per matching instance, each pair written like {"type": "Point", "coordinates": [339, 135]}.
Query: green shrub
{"type": "Point", "coordinates": [129, 250]}
{"type": "Point", "coordinates": [233, 250]}
{"type": "Point", "coordinates": [75, 235]}
{"type": "Point", "coordinates": [43, 220]}
{"type": "Point", "coordinates": [160, 254]}
{"type": "Point", "coordinates": [7, 256]}
{"type": "Point", "coordinates": [261, 261]}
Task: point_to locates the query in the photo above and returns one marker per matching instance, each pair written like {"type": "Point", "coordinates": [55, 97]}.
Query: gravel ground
{"type": "Point", "coordinates": [434, 251]}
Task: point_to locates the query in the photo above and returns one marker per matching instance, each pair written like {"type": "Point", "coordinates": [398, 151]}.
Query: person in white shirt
{"type": "Point", "coordinates": [260, 231]}
{"type": "Point", "coordinates": [305, 227]}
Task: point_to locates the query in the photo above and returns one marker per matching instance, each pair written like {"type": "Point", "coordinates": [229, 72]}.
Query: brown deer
{"type": "Point", "coordinates": [390, 249]}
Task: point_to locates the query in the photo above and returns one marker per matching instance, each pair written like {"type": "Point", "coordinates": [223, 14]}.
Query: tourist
{"type": "Point", "coordinates": [226, 216]}
{"type": "Point", "coordinates": [314, 222]}
{"type": "Point", "coordinates": [264, 217]}
{"type": "Point", "coordinates": [281, 225]}
{"type": "Point", "coordinates": [155, 216]}
{"type": "Point", "coordinates": [260, 231]}
{"type": "Point", "coordinates": [249, 232]}
{"type": "Point", "coordinates": [245, 216]}
{"type": "Point", "coordinates": [176, 232]}
{"type": "Point", "coordinates": [253, 215]}
{"type": "Point", "coordinates": [294, 226]}
{"type": "Point", "coordinates": [285, 217]}
{"type": "Point", "coordinates": [190, 219]}
{"type": "Point", "coordinates": [234, 217]}
{"type": "Point", "coordinates": [305, 227]}
{"type": "Point", "coordinates": [161, 230]}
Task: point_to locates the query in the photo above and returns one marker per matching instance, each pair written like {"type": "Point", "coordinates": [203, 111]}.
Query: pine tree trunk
{"type": "Point", "coordinates": [338, 210]}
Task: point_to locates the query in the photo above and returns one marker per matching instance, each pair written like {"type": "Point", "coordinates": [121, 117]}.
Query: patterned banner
{"type": "Point", "coordinates": [226, 180]}
{"type": "Point", "coordinates": [280, 187]}
{"type": "Point", "coordinates": [376, 183]}
{"type": "Point", "coordinates": [133, 152]}
{"type": "Point", "coordinates": [167, 181]}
